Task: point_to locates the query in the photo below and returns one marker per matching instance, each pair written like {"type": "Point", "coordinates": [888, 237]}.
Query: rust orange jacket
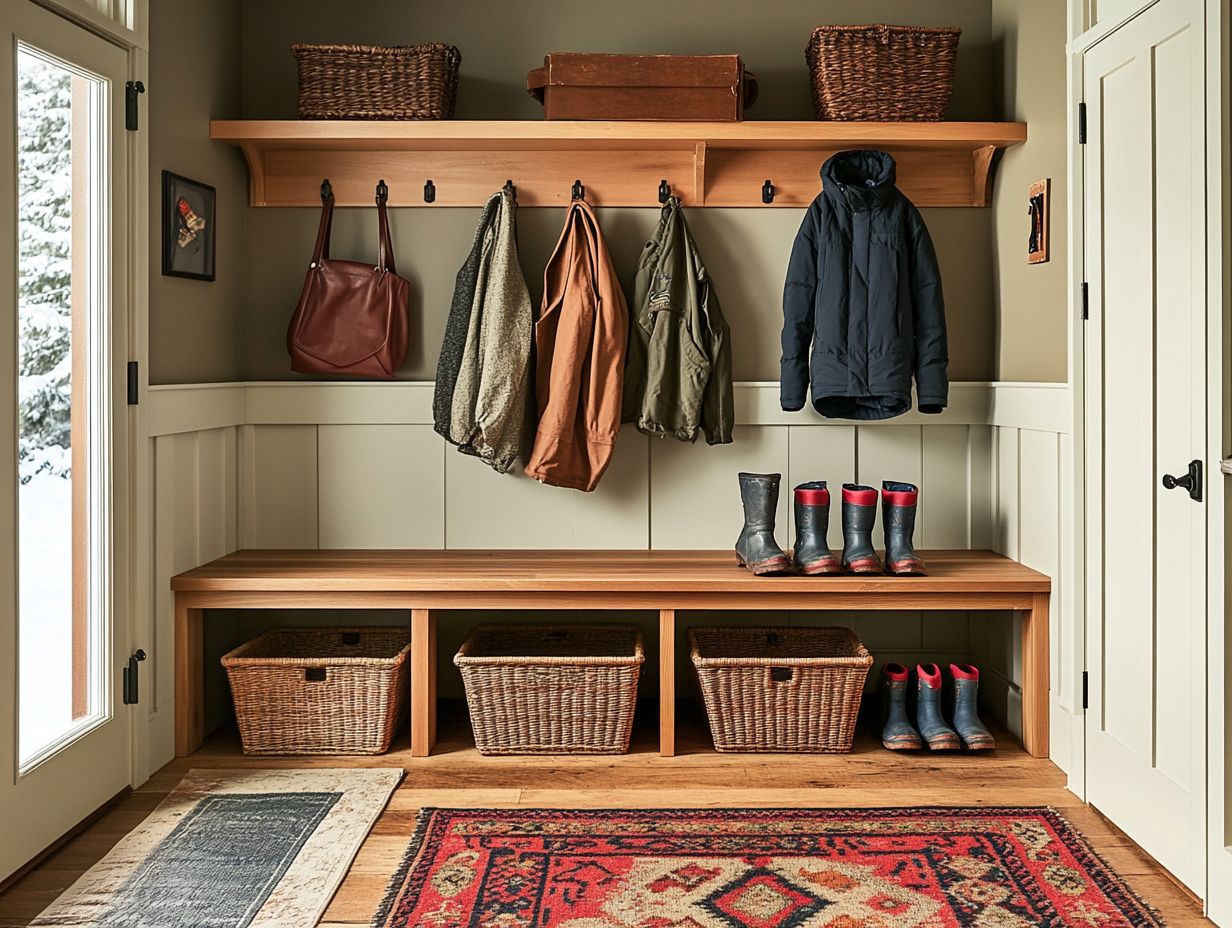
{"type": "Point", "coordinates": [580, 340]}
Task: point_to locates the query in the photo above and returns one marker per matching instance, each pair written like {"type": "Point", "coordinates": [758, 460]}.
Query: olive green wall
{"type": "Point", "coordinates": [1007, 320]}
{"type": "Point", "coordinates": [746, 249]}
{"type": "Point", "coordinates": [1031, 300]}
{"type": "Point", "coordinates": [196, 328]}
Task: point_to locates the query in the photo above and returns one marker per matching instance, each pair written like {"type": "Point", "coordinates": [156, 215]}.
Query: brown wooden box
{"type": "Point", "coordinates": [705, 88]}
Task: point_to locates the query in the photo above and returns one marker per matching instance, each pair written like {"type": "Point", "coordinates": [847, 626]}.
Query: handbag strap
{"type": "Point", "coordinates": [387, 245]}
{"type": "Point", "coordinates": [320, 251]}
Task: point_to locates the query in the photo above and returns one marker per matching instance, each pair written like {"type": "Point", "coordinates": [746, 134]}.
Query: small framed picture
{"type": "Point", "coordinates": [188, 228]}
{"type": "Point", "coordinates": [1038, 208]}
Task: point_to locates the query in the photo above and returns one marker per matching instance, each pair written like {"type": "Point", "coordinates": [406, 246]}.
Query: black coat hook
{"type": "Point", "coordinates": [579, 192]}
{"type": "Point", "coordinates": [767, 192]}
{"type": "Point", "coordinates": [326, 190]}
{"type": "Point", "coordinates": [429, 191]}
{"type": "Point", "coordinates": [511, 188]}
{"type": "Point", "coordinates": [665, 191]}
{"type": "Point", "coordinates": [382, 191]}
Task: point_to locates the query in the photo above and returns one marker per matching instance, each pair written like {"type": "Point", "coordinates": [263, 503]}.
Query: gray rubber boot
{"type": "Point", "coordinates": [859, 516]}
{"type": "Point", "coordinates": [756, 548]}
{"type": "Point", "coordinates": [966, 708]}
{"type": "Point", "coordinates": [928, 717]}
{"type": "Point", "coordinates": [812, 553]}
{"type": "Point", "coordinates": [898, 504]}
{"type": "Point", "coordinates": [897, 732]}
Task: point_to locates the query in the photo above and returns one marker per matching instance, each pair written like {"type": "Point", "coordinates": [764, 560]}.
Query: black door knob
{"type": "Point", "coordinates": [1191, 481]}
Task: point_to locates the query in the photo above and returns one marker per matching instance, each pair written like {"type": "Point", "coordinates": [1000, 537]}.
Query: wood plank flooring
{"type": "Point", "coordinates": [457, 776]}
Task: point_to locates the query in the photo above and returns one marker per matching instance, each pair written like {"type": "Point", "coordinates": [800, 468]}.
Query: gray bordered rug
{"type": "Point", "coordinates": [232, 849]}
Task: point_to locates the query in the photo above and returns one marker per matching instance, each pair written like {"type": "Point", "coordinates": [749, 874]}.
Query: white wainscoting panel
{"type": "Point", "coordinates": [353, 465]}
{"type": "Point", "coordinates": [379, 486]}
{"type": "Point", "coordinates": [1032, 511]}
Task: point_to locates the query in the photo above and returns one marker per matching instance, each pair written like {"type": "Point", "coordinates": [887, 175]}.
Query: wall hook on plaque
{"type": "Point", "coordinates": [382, 191]}
{"type": "Point", "coordinates": [767, 192]}
{"type": "Point", "coordinates": [429, 191]}
{"type": "Point", "coordinates": [327, 191]}
{"type": "Point", "coordinates": [665, 191]}
{"type": "Point", "coordinates": [578, 192]}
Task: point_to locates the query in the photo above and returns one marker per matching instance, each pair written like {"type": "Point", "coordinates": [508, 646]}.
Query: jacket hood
{"type": "Point", "coordinates": [859, 179]}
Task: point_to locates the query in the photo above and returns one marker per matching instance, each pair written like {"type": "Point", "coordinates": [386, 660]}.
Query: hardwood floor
{"type": "Point", "coordinates": [457, 776]}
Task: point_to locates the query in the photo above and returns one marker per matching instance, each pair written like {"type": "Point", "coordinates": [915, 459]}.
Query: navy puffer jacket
{"type": "Point", "coordinates": [862, 306]}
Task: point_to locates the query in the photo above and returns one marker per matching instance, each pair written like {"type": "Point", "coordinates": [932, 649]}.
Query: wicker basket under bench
{"type": "Point", "coordinates": [551, 689]}
{"type": "Point", "coordinates": [320, 690]}
{"type": "Point", "coordinates": [780, 689]}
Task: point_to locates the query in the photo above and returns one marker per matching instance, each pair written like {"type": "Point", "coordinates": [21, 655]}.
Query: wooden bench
{"type": "Point", "coordinates": [667, 582]}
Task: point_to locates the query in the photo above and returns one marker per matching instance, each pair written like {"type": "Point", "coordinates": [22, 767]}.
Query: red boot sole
{"type": "Point", "coordinates": [815, 570]}
{"type": "Point", "coordinates": [773, 566]}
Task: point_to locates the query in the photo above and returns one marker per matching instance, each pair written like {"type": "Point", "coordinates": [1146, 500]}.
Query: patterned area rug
{"type": "Point", "coordinates": [232, 849]}
{"type": "Point", "coordinates": [768, 868]}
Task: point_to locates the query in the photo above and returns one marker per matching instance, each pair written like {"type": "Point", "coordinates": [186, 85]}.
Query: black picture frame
{"type": "Point", "coordinates": [188, 248]}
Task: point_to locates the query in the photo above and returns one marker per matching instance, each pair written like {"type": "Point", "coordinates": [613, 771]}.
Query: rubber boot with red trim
{"type": "Point", "coordinates": [859, 516]}
{"type": "Point", "coordinates": [756, 548]}
{"type": "Point", "coordinates": [897, 732]}
{"type": "Point", "coordinates": [928, 718]}
{"type": "Point", "coordinates": [966, 708]}
{"type": "Point", "coordinates": [898, 503]}
{"type": "Point", "coordinates": [812, 553]}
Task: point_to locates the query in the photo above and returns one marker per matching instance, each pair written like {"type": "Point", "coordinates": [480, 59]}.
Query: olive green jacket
{"type": "Point", "coordinates": [678, 376]}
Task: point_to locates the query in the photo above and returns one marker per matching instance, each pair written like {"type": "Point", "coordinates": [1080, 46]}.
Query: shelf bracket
{"type": "Point", "coordinates": [981, 176]}
{"type": "Point", "coordinates": [699, 174]}
{"type": "Point", "coordinates": [256, 174]}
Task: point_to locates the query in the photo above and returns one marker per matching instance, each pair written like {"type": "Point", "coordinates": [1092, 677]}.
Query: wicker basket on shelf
{"type": "Point", "coordinates": [780, 689]}
{"type": "Point", "coordinates": [882, 73]}
{"type": "Point", "coordinates": [320, 690]}
{"type": "Point", "coordinates": [551, 689]}
{"type": "Point", "coordinates": [377, 82]}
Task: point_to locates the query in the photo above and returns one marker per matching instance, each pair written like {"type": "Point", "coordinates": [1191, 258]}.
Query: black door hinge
{"type": "Point", "coordinates": [131, 89]}
{"type": "Point", "coordinates": [132, 383]}
{"type": "Point", "coordinates": [131, 692]}
{"type": "Point", "coordinates": [1085, 691]}
{"type": "Point", "coordinates": [1086, 301]}
{"type": "Point", "coordinates": [1082, 123]}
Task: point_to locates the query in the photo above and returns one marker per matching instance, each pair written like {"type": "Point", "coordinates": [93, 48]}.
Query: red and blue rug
{"type": "Point", "coordinates": [763, 868]}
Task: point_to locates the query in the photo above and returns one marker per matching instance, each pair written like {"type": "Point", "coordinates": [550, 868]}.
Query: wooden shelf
{"type": "Point", "coordinates": [621, 163]}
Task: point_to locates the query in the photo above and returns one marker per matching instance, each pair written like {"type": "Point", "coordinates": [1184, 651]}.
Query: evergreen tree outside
{"type": "Point", "coordinates": [44, 185]}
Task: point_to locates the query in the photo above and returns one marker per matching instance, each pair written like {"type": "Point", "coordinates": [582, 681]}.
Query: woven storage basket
{"type": "Point", "coordinates": [320, 690]}
{"type": "Point", "coordinates": [377, 82]}
{"type": "Point", "coordinates": [551, 689]}
{"type": "Point", "coordinates": [780, 689]}
{"type": "Point", "coordinates": [882, 73]}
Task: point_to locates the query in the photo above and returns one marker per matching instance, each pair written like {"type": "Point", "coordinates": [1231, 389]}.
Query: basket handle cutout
{"type": "Point", "coordinates": [781, 674]}
{"type": "Point", "coordinates": [314, 674]}
{"type": "Point", "coordinates": [350, 637]}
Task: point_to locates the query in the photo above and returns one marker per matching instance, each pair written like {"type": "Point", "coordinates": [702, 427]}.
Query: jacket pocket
{"type": "Point", "coordinates": [887, 273]}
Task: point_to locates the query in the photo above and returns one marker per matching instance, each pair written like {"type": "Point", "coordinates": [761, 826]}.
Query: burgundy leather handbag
{"type": "Point", "coordinates": [352, 317]}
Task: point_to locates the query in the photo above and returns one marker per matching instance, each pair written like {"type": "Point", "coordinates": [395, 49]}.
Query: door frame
{"type": "Point", "coordinates": [1218, 32]}
{"type": "Point", "coordinates": [131, 506]}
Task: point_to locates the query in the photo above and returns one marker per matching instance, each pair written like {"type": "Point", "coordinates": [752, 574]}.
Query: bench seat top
{"type": "Point", "coordinates": [311, 570]}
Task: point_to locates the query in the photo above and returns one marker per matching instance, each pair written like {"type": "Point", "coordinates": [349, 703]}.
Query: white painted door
{"type": "Point", "coordinates": [65, 735]}
{"type": "Point", "coordinates": [1145, 352]}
